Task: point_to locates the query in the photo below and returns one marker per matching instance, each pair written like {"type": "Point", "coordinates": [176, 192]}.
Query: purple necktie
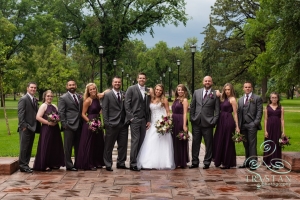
{"type": "Point", "coordinates": [205, 94]}
{"type": "Point", "coordinates": [75, 99]}
{"type": "Point", "coordinates": [119, 99]}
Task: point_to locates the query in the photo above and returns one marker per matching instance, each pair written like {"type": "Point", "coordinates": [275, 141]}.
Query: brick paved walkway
{"type": "Point", "coordinates": [180, 184]}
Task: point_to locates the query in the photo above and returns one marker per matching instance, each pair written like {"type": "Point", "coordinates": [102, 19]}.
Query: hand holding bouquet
{"type": "Point", "coordinates": [183, 135]}
{"type": "Point", "coordinates": [94, 125]}
{"type": "Point", "coordinates": [164, 125]}
{"type": "Point", "coordinates": [284, 141]}
{"type": "Point", "coordinates": [53, 117]}
{"type": "Point", "coordinates": [238, 137]}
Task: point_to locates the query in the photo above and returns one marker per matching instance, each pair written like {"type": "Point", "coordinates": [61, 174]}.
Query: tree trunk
{"type": "Point", "coordinates": [4, 109]}
{"type": "Point", "coordinates": [264, 86]}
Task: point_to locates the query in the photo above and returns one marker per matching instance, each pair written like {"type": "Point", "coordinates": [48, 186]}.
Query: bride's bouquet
{"type": "Point", "coordinates": [164, 125]}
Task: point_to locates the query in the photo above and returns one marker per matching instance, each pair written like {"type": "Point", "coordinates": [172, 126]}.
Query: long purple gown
{"type": "Point", "coordinates": [223, 145]}
{"type": "Point", "coordinates": [181, 147]}
{"type": "Point", "coordinates": [91, 146]}
{"type": "Point", "coordinates": [50, 151]}
{"type": "Point", "coordinates": [274, 131]}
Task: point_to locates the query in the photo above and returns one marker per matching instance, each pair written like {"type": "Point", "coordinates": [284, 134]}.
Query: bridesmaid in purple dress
{"type": "Point", "coordinates": [274, 129]}
{"type": "Point", "coordinates": [91, 146]}
{"type": "Point", "coordinates": [224, 154]}
{"type": "Point", "coordinates": [179, 115]}
{"type": "Point", "coordinates": [50, 151]}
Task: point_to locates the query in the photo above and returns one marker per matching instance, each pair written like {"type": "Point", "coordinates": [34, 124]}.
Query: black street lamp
{"type": "Point", "coordinates": [170, 90]}
{"type": "Point", "coordinates": [178, 64]}
{"type": "Point", "coordinates": [101, 50]}
{"type": "Point", "coordinates": [115, 66]}
{"type": "Point", "coordinates": [127, 76]}
{"type": "Point", "coordinates": [122, 78]}
{"type": "Point", "coordinates": [164, 78]}
{"type": "Point", "coordinates": [193, 50]}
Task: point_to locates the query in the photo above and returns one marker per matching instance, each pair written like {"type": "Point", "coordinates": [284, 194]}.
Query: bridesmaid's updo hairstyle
{"type": "Point", "coordinates": [162, 97]}
{"type": "Point", "coordinates": [232, 93]}
{"type": "Point", "coordinates": [45, 93]}
{"type": "Point", "coordinates": [86, 91]}
{"type": "Point", "coordinates": [185, 95]}
{"type": "Point", "coordinates": [278, 98]}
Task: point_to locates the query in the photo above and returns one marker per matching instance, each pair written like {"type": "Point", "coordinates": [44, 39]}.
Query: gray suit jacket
{"type": "Point", "coordinates": [254, 111]}
{"type": "Point", "coordinates": [204, 112]}
{"type": "Point", "coordinates": [133, 101]}
{"type": "Point", "coordinates": [69, 112]}
{"type": "Point", "coordinates": [113, 111]}
{"type": "Point", "coordinates": [27, 114]}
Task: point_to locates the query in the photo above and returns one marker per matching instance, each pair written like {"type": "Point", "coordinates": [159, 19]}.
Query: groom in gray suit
{"type": "Point", "coordinates": [137, 101]}
{"type": "Point", "coordinates": [250, 109]}
{"type": "Point", "coordinates": [113, 111]}
{"type": "Point", "coordinates": [28, 125]}
{"type": "Point", "coordinates": [69, 110]}
{"type": "Point", "coordinates": [204, 114]}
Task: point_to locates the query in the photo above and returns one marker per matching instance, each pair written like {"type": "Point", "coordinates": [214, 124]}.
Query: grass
{"type": "Point", "coordinates": [9, 144]}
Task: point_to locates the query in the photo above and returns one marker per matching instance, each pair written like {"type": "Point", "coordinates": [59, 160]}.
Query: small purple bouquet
{"type": "Point", "coordinates": [53, 117]}
{"type": "Point", "coordinates": [94, 124]}
{"type": "Point", "coordinates": [238, 137]}
{"type": "Point", "coordinates": [183, 135]}
{"type": "Point", "coordinates": [164, 125]}
{"type": "Point", "coordinates": [284, 141]}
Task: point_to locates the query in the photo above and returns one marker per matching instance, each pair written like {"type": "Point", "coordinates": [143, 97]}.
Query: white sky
{"type": "Point", "coordinates": [198, 10]}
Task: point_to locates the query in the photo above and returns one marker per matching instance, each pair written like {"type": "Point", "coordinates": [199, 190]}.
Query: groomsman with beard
{"type": "Point", "coordinates": [114, 114]}
{"type": "Point", "coordinates": [69, 110]}
{"type": "Point", "coordinates": [28, 125]}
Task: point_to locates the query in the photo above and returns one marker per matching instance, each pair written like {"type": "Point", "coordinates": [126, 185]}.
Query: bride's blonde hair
{"type": "Point", "coordinates": [162, 96]}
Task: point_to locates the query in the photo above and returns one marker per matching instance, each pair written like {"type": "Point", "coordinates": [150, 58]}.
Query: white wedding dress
{"type": "Point", "coordinates": [157, 150]}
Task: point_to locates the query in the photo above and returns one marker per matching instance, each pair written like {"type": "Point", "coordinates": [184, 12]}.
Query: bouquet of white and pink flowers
{"type": "Point", "coordinates": [164, 125]}
{"type": "Point", "coordinates": [94, 125]}
{"type": "Point", "coordinates": [238, 137]}
{"type": "Point", "coordinates": [183, 135]}
{"type": "Point", "coordinates": [53, 117]}
{"type": "Point", "coordinates": [284, 141]}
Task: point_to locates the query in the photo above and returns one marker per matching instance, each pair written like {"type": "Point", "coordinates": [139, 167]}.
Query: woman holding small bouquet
{"type": "Point", "coordinates": [224, 154]}
{"type": "Point", "coordinates": [157, 149]}
{"type": "Point", "coordinates": [180, 131]}
{"type": "Point", "coordinates": [91, 146]}
{"type": "Point", "coordinates": [50, 151]}
{"type": "Point", "coordinates": [274, 129]}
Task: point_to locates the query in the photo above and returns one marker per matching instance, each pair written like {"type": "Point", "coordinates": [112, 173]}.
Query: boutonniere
{"type": "Point", "coordinates": [251, 100]}
{"type": "Point", "coordinates": [147, 92]}
{"type": "Point", "coordinates": [79, 96]}
{"type": "Point", "coordinates": [211, 95]}
{"type": "Point", "coordinates": [122, 97]}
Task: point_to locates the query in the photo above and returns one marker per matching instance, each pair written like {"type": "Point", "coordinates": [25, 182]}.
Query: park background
{"type": "Point", "coordinates": [50, 42]}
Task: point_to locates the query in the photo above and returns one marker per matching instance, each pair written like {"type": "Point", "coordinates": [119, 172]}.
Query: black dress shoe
{"type": "Point", "coordinates": [242, 166]}
{"type": "Point", "coordinates": [193, 166]}
{"type": "Point", "coordinates": [122, 167]}
{"type": "Point", "coordinates": [72, 169]}
{"type": "Point", "coordinates": [55, 167]}
{"type": "Point", "coordinates": [134, 169]}
{"type": "Point", "coordinates": [99, 166]}
{"type": "Point", "coordinates": [93, 169]}
{"type": "Point", "coordinates": [205, 166]}
{"type": "Point", "coordinates": [26, 170]}
{"type": "Point", "coordinates": [109, 169]}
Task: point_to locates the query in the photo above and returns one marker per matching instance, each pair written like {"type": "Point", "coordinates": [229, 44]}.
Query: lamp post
{"type": "Point", "coordinates": [170, 91]}
{"type": "Point", "coordinates": [164, 78]}
{"type": "Point", "coordinates": [115, 66]}
{"type": "Point", "coordinates": [101, 50]}
{"type": "Point", "coordinates": [127, 76]}
{"type": "Point", "coordinates": [122, 78]}
{"type": "Point", "coordinates": [160, 78]}
{"type": "Point", "coordinates": [193, 50]}
{"type": "Point", "coordinates": [178, 64]}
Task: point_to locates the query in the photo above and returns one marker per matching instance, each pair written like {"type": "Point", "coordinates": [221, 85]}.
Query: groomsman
{"type": "Point", "coordinates": [137, 102]}
{"type": "Point", "coordinates": [114, 114]}
{"type": "Point", "coordinates": [69, 110]}
{"type": "Point", "coordinates": [204, 114]}
{"type": "Point", "coordinates": [28, 125]}
{"type": "Point", "coordinates": [250, 109]}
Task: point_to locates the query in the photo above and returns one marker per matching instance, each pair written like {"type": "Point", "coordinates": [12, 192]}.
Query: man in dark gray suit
{"type": "Point", "coordinates": [137, 101]}
{"type": "Point", "coordinates": [204, 114]}
{"type": "Point", "coordinates": [250, 109]}
{"type": "Point", "coordinates": [28, 125]}
{"type": "Point", "coordinates": [116, 129]}
{"type": "Point", "coordinates": [69, 110]}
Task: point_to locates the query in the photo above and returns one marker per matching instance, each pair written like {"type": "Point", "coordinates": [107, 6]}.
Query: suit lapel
{"type": "Point", "coordinates": [72, 100]}
{"type": "Point", "coordinates": [139, 92]}
{"type": "Point", "coordinates": [116, 99]}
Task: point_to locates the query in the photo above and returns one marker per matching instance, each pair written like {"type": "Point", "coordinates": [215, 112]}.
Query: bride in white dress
{"type": "Point", "coordinates": [157, 150]}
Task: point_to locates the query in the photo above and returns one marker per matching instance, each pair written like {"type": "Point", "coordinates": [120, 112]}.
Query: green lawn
{"type": "Point", "coordinates": [9, 144]}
